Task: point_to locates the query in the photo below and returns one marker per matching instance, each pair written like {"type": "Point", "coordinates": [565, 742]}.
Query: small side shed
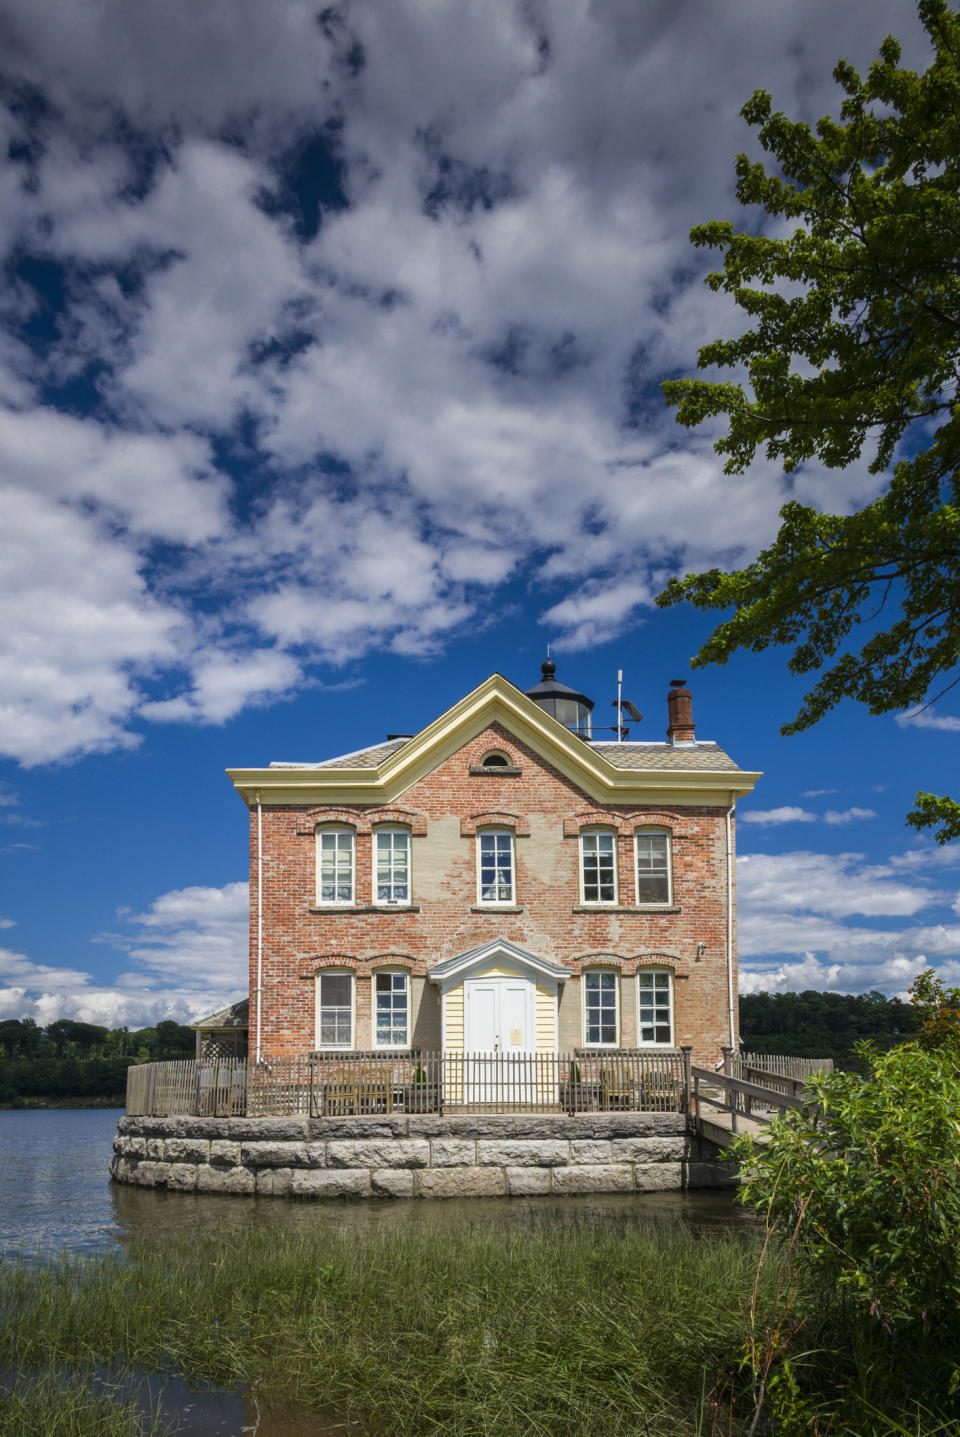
{"type": "Point", "coordinates": [224, 1034]}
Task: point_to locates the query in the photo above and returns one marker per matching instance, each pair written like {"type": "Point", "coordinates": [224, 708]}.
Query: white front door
{"type": "Point", "coordinates": [498, 1032]}
{"type": "Point", "coordinates": [499, 1015]}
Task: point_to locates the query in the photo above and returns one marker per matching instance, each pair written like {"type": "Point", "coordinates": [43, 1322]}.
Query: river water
{"type": "Point", "coordinates": [56, 1194]}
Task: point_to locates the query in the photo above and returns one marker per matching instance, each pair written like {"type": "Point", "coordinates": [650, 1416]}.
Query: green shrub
{"type": "Point", "coordinates": [870, 1179]}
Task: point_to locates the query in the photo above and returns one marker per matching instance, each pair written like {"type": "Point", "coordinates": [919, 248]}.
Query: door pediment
{"type": "Point", "coordinates": [499, 955]}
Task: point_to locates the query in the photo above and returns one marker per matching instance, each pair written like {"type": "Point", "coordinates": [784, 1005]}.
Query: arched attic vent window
{"type": "Point", "coordinates": [495, 759]}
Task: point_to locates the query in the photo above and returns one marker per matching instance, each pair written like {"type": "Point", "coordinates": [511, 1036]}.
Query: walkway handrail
{"type": "Point", "coordinates": [795, 1086]}
{"type": "Point", "coordinates": [737, 1089]}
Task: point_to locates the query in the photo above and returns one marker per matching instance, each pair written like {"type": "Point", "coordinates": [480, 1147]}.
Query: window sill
{"type": "Point", "coordinates": [623, 908]}
{"type": "Point", "coordinates": [478, 770]}
{"type": "Point", "coordinates": [349, 909]}
{"type": "Point", "coordinates": [495, 908]}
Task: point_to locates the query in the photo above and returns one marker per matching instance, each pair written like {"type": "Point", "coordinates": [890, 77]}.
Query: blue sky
{"type": "Point", "coordinates": [329, 377]}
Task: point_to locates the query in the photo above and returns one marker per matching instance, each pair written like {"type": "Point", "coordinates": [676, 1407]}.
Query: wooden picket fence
{"type": "Point", "coordinates": [783, 1066]}
{"type": "Point", "coordinates": [776, 1072]}
{"type": "Point", "coordinates": [328, 1085]}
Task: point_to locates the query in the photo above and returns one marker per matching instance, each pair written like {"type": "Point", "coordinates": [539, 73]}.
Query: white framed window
{"type": "Point", "coordinates": [391, 876]}
{"type": "Point", "coordinates": [654, 876]}
{"type": "Point", "coordinates": [496, 758]}
{"type": "Point", "coordinates": [336, 864]}
{"type": "Point", "coordinates": [601, 1008]}
{"type": "Point", "coordinates": [496, 882]}
{"type": "Point", "coordinates": [391, 1007]}
{"type": "Point", "coordinates": [598, 866]}
{"type": "Point", "coordinates": [655, 1008]}
{"type": "Point", "coordinates": [334, 1010]}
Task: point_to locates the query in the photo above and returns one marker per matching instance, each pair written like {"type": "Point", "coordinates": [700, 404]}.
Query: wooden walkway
{"type": "Point", "coordinates": [718, 1128]}
{"type": "Point", "coordinates": [752, 1101]}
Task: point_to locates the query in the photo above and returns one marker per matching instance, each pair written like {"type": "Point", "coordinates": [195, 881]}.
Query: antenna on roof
{"type": "Point", "coordinates": [620, 703]}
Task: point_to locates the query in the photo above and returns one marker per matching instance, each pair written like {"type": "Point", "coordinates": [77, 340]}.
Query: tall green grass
{"type": "Point", "coordinates": [475, 1330]}
{"type": "Point", "coordinates": [57, 1404]}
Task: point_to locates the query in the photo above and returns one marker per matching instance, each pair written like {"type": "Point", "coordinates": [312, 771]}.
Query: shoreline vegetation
{"type": "Point", "coordinates": [472, 1329]}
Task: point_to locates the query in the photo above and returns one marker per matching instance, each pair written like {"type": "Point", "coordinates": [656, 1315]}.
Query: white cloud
{"type": "Point", "coordinates": [833, 884]}
{"type": "Point", "coordinates": [794, 928]}
{"type": "Point", "coordinates": [848, 815]}
{"type": "Point", "coordinates": [307, 441]}
{"type": "Point", "coordinates": [772, 817]}
{"type": "Point", "coordinates": [923, 716]}
{"type": "Point", "coordinates": [886, 975]}
{"type": "Point", "coordinates": [188, 953]}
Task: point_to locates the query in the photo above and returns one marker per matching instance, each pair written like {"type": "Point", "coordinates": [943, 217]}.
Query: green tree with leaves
{"type": "Point", "coordinates": [853, 345]}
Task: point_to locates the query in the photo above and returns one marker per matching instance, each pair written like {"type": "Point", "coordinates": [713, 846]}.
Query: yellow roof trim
{"type": "Point", "coordinates": [496, 700]}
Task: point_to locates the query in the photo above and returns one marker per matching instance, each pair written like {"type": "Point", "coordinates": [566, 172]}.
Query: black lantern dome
{"type": "Point", "coordinates": [565, 704]}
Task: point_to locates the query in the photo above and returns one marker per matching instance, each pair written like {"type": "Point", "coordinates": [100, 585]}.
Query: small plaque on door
{"type": "Point", "coordinates": [516, 1037]}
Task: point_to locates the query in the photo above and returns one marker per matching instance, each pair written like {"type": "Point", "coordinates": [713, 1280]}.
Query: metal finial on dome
{"type": "Point", "coordinates": [548, 668]}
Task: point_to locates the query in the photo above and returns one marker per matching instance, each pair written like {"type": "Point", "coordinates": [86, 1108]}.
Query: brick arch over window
{"type": "Point", "coordinates": [653, 818]}
{"type": "Point", "coordinates": [673, 961]}
{"type": "Point", "coordinates": [404, 817]}
{"type": "Point", "coordinates": [625, 824]}
{"type": "Point", "coordinates": [391, 960]}
{"type": "Point", "coordinates": [597, 959]}
{"type": "Point", "coordinates": [310, 967]}
{"type": "Point", "coordinates": [575, 823]}
{"type": "Point", "coordinates": [320, 817]}
{"type": "Point", "coordinates": [494, 818]}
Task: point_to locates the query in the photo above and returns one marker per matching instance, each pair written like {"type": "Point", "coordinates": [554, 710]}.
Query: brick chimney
{"type": "Point", "coordinates": [680, 713]}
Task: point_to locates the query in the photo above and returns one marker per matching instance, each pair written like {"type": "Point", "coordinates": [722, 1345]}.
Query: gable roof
{"type": "Point", "coordinates": [236, 1016]}
{"type": "Point", "coordinates": [498, 948]}
{"type": "Point", "coordinates": [610, 772]}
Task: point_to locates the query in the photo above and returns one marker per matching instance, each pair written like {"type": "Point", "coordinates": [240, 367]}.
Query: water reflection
{"type": "Point", "coordinates": [55, 1193]}
{"type": "Point", "coordinates": [141, 1215]}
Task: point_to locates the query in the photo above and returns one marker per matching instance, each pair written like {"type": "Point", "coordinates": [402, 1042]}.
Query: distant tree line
{"type": "Point", "coordinates": [80, 1062]}
{"type": "Point", "coordinates": [822, 1025]}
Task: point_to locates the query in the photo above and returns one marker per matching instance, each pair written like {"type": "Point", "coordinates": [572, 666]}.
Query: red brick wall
{"type": "Point", "coordinates": [297, 942]}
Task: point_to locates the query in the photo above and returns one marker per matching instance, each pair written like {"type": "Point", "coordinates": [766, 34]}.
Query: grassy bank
{"type": "Point", "coordinates": [471, 1330]}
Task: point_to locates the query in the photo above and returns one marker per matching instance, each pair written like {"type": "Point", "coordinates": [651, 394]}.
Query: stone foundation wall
{"type": "Point", "coordinates": [413, 1156]}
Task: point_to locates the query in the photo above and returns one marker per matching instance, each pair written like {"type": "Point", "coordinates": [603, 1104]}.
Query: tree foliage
{"type": "Point", "coordinates": [869, 1175]}
{"type": "Point", "coordinates": [853, 346]}
{"type": "Point", "coordinates": [822, 1025]}
{"type": "Point", "coordinates": [874, 1183]}
{"type": "Point", "coordinates": [72, 1060]}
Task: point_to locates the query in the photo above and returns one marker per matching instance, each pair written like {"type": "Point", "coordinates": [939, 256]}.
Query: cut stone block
{"type": "Point", "coordinates": [223, 1153]}
{"type": "Point", "coordinates": [225, 1180]}
{"type": "Point", "coordinates": [659, 1177]}
{"type": "Point", "coordinates": [318, 1182]}
{"type": "Point", "coordinates": [388, 1153]}
{"type": "Point", "coordinates": [524, 1182]}
{"type": "Point", "coordinates": [650, 1150]}
{"type": "Point", "coordinates": [453, 1153]}
{"type": "Point", "coordinates": [186, 1150]}
{"type": "Point", "coordinates": [274, 1182]}
{"type": "Point", "coordinates": [523, 1153]}
{"type": "Point", "coordinates": [276, 1155]}
{"type": "Point", "coordinates": [461, 1182]}
{"type": "Point", "coordinates": [392, 1182]}
{"type": "Point", "coordinates": [596, 1178]}
{"type": "Point", "coordinates": [182, 1177]}
{"type": "Point", "coordinates": [589, 1150]}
